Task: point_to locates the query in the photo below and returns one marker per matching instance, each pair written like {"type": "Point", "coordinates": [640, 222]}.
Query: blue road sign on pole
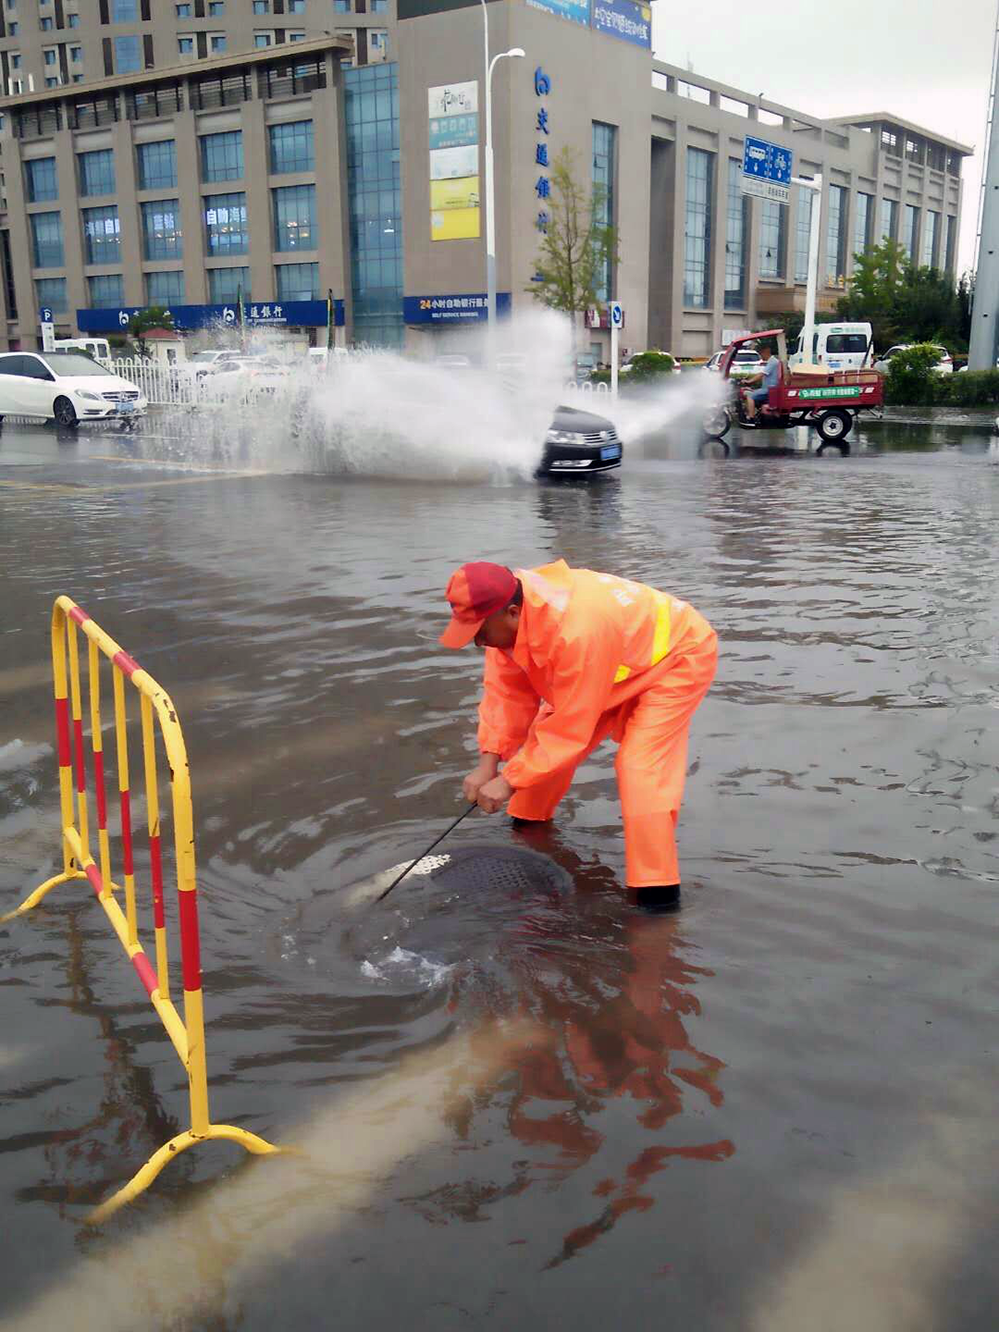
{"type": "Point", "coordinates": [766, 169]}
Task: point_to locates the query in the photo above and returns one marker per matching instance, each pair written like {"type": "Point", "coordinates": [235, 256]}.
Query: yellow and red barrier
{"type": "Point", "coordinates": [187, 1033]}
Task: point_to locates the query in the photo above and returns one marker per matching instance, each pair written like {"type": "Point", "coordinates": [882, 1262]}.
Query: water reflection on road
{"type": "Point", "coordinates": [519, 1108]}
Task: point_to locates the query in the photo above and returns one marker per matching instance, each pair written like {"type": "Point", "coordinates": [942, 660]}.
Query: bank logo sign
{"type": "Point", "coordinates": [627, 19]}
{"type": "Point", "coordinates": [576, 10]}
{"type": "Point", "coordinates": [453, 110]}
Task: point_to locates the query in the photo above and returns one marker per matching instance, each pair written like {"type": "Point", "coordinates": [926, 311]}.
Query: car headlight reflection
{"type": "Point", "coordinates": [90, 397]}
{"type": "Point", "coordinates": [564, 437]}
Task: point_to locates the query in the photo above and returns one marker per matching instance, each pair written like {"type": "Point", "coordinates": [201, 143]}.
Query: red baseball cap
{"type": "Point", "coordinates": [475, 592]}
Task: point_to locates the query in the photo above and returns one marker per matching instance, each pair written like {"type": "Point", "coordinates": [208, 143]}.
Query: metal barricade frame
{"type": "Point", "coordinates": [187, 1034]}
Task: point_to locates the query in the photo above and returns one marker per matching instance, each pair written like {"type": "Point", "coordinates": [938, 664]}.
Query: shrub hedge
{"type": "Point", "coordinates": [911, 382]}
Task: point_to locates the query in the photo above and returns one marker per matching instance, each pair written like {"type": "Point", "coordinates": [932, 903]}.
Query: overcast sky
{"type": "Point", "coordinates": [928, 61]}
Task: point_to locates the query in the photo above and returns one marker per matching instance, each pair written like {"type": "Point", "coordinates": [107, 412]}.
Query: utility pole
{"type": "Point", "coordinates": [985, 309]}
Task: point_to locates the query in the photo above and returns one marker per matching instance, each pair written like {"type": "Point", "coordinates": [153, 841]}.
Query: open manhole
{"type": "Point", "coordinates": [507, 870]}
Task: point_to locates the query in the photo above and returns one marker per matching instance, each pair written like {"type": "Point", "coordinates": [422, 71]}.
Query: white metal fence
{"type": "Point", "coordinates": [163, 385]}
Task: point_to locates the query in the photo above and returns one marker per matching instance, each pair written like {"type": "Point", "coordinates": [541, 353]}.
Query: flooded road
{"type": "Point", "coordinates": [771, 1110]}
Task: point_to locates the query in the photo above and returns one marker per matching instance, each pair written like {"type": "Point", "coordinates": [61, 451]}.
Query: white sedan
{"type": "Point", "coordinates": [944, 365]}
{"type": "Point", "coordinates": [243, 377]}
{"type": "Point", "coordinates": [65, 387]}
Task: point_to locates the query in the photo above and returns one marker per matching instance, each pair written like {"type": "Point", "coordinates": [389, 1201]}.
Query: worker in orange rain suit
{"type": "Point", "coordinates": [573, 657]}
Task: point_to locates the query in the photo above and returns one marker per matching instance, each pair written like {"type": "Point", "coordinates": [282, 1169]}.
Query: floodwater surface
{"type": "Point", "coordinates": [517, 1106]}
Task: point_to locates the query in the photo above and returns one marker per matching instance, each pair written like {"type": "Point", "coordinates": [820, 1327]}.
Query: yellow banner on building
{"type": "Point", "coordinates": [455, 224]}
{"type": "Point", "coordinates": [461, 193]}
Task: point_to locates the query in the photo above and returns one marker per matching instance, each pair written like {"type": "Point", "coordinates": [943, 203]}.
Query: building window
{"type": "Point", "coordinates": [13, 29]}
{"type": "Point", "coordinates": [773, 238]}
{"type": "Point", "coordinates": [225, 224]}
{"type": "Point", "coordinates": [124, 11]}
{"type": "Point", "coordinates": [296, 6]}
{"type": "Point", "coordinates": [216, 41]}
{"type": "Point", "coordinates": [184, 11]}
{"type": "Point", "coordinates": [52, 81]}
{"type": "Point", "coordinates": [216, 8]}
{"type": "Point", "coordinates": [222, 156]}
{"type": "Point", "coordinates": [46, 237]}
{"type": "Point", "coordinates": [46, 25]}
{"type": "Point", "coordinates": [379, 6]}
{"type": "Point", "coordinates": [297, 36]}
{"type": "Point", "coordinates": [52, 292]}
{"type": "Point", "coordinates": [165, 288]}
{"type": "Point", "coordinates": [604, 201]}
{"type": "Point", "coordinates": [72, 20]}
{"type": "Point", "coordinates": [228, 284]}
{"type": "Point", "coordinates": [261, 6]}
{"type": "Point", "coordinates": [294, 218]}
{"type": "Point", "coordinates": [951, 237]}
{"type": "Point", "coordinates": [836, 235]}
{"type": "Point", "coordinates": [185, 45]}
{"type": "Point", "coordinates": [931, 230]}
{"type": "Point", "coordinates": [736, 231]}
{"type": "Point", "coordinates": [127, 55]}
{"type": "Point", "coordinates": [157, 165]}
{"type": "Point", "coordinates": [96, 172]}
{"type": "Point", "coordinates": [15, 60]}
{"type": "Point", "coordinates": [297, 282]}
{"type": "Point", "coordinates": [803, 232]}
{"type": "Point", "coordinates": [292, 147]}
{"type": "Point", "coordinates": [162, 237]}
{"type": "Point", "coordinates": [371, 112]}
{"type": "Point", "coordinates": [889, 219]}
{"type": "Point", "coordinates": [49, 56]}
{"type": "Point", "coordinates": [862, 223]}
{"type": "Point", "coordinates": [697, 229]}
{"type": "Point", "coordinates": [106, 290]}
{"type": "Point", "coordinates": [40, 180]}
{"type": "Point", "coordinates": [262, 39]}
{"type": "Point", "coordinates": [76, 54]}
{"type": "Point", "coordinates": [101, 236]}
{"type": "Point", "coordinates": [910, 229]}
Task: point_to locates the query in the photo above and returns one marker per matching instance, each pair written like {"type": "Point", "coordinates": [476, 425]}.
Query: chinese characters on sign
{"type": "Point", "coordinates": [453, 110]}
{"type": "Point", "coordinates": [542, 186]}
{"type": "Point", "coordinates": [628, 20]}
{"type": "Point", "coordinates": [451, 309]}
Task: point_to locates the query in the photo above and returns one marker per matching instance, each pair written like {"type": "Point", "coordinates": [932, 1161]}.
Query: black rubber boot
{"type": "Point", "coordinates": [658, 897]}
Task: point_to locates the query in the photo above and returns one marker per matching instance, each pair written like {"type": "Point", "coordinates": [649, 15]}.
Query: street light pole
{"type": "Point", "coordinates": [515, 53]}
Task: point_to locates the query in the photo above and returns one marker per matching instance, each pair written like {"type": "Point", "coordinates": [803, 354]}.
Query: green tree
{"type": "Point", "coordinates": [905, 303]}
{"type": "Point", "coordinates": [577, 247]}
{"type": "Point", "coordinates": [153, 316]}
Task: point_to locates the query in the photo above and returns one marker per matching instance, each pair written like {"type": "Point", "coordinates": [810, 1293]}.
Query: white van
{"type": "Point", "coordinates": [98, 348]}
{"type": "Point", "coordinates": [836, 347]}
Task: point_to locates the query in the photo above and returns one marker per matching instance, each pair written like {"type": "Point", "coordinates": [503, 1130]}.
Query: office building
{"type": "Point", "coordinates": [182, 154]}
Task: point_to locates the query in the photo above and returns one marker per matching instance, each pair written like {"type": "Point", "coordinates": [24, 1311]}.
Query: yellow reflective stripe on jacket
{"type": "Point", "coordinates": [660, 643]}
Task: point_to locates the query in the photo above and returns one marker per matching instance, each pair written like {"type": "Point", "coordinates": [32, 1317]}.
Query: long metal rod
{"type": "Point", "coordinates": [381, 896]}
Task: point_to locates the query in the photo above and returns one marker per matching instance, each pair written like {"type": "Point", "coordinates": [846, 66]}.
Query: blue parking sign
{"type": "Point", "coordinates": [45, 315]}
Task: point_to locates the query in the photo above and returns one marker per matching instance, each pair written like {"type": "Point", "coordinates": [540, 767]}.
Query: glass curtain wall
{"type": "Point", "coordinates": [862, 223]}
{"type": "Point", "coordinates": [910, 228]}
{"type": "Point", "coordinates": [802, 232]}
{"type": "Point", "coordinates": [736, 235]}
{"type": "Point", "coordinates": [697, 230]}
{"type": "Point", "coordinates": [773, 238]}
{"type": "Point", "coordinates": [951, 239]}
{"type": "Point", "coordinates": [889, 219]}
{"type": "Point", "coordinates": [604, 153]}
{"type": "Point", "coordinates": [836, 235]}
{"type": "Point", "coordinates": [375, 201]}
{"type": "Point", "coordinates": [930, 231]}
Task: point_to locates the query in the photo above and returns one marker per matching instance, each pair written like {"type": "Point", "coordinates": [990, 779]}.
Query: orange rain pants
{"type": "Point", "coordinates": [598, 657]}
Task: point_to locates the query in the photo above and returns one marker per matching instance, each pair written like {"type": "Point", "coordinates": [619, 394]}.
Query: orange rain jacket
{"type": "Point", "coordinates": [587, 643]}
